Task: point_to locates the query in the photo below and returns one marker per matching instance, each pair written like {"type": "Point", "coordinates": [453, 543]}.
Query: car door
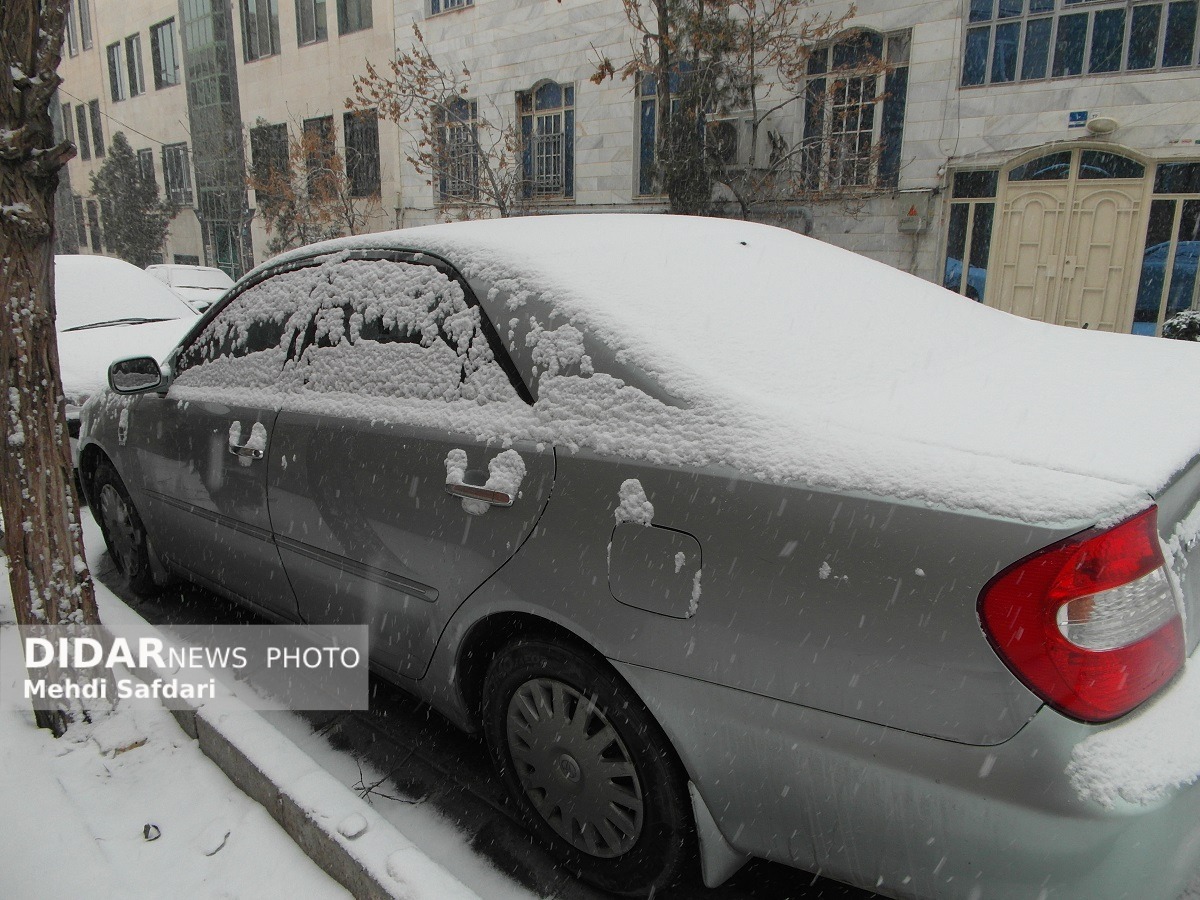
{"type": "Point", "coordinates": [203, 448]}
{"type": "Point", "coordinates": [401, 396]}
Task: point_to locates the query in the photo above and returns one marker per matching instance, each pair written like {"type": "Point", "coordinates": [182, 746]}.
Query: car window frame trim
{"type": "Point", "coordinates": [412, 257]}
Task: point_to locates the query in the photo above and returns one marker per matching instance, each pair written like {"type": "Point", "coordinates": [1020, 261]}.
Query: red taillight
{"type": "Point", "coordinates": [1089, 624]}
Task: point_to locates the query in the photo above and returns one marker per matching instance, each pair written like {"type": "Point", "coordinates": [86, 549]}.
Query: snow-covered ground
{"type": "Point", "coordinates": [129, 807]}
{"type": "Point", "coordinates": [90, 796]}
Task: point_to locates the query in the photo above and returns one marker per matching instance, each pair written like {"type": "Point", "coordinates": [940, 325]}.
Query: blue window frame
{"type": "Point", "coordinates": [969, 236]}
{"type": "Point", "coordinates": [1167, 283]}
{"type": "Point", "coordinates": [648, 182]}
{"type": "Point", "coordinates": [1028, 40]}
{"type": "Point", "coordinates": [547, 114]}
{"type": "Point", "coordinates": [439, 6]}
{"type": "Point", "coordinates": [848, 143]}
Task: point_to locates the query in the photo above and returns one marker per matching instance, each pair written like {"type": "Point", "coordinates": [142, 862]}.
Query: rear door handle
{"type": "Point", "coordinates": [255, 446]}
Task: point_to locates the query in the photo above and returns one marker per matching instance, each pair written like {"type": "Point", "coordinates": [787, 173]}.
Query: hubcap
{"type": "Point", "coordinates": [120, 531]}
{"type": "Point", "coordinates": [574, 768]}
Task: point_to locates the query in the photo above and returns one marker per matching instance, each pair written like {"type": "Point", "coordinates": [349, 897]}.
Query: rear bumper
{"type": "Point", "coordinates": [911, 816]}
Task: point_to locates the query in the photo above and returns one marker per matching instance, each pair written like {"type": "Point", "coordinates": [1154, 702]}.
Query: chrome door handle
{"type": "Point", "coordinates": [474, 492]}
{"type": "Point", "coordinates": [253, 448]}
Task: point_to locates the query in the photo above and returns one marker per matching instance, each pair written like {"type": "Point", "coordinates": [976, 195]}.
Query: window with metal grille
{"type": "Point", "coordinates": [177, 176]}
{"type": "Point", "coordinates": [260, 28]}
{"type": "Point", "coordinates": [548, 140]}
{"type": "Point", "coordinates": [362, 152]}
{"type": "Point", "coordinates": [163, 55]}
{"type": "Point", "coordinates": [1030, 40]}
{"type": "Point", "coordinates": [458, 151]}
{"type": "Point", "coordinates": [854, 112]}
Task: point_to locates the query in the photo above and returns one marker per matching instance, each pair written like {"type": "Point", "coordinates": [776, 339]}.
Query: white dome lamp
{"type": "Point", "coordinates": [1102, 125]}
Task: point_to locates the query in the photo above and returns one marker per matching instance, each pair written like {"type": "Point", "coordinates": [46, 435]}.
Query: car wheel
{"type": "Point", "coordinates": [589, 767]}
{"type": "Point", "coordinates": [124, 535]}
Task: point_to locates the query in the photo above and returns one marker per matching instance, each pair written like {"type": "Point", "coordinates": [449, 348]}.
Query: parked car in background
{"type": "Point", "coordinates": [200, 286]}
{"type": "Point", "coordinates": [106, 309]}
{"type": "Point", "coordinates": [730, 542]}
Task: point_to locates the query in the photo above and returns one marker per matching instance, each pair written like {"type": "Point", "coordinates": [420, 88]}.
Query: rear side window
{"type": "Point", "coordinates": [376, 328]}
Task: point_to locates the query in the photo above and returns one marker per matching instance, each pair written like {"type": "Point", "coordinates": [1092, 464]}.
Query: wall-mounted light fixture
{"type": "Point", "coordinates": [1102, 125]}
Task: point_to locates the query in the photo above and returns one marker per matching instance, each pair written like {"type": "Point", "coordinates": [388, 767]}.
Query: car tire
{"type": "Point", "coordinates": [124, 534]}
{"type": "Point", "coordinates": [588, 766]}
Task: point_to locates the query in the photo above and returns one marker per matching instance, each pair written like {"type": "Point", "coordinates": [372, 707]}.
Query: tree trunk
{"type": "Point", "coordinates": [42, 537]}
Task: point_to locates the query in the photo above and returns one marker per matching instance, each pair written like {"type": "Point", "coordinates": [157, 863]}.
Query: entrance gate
{"type": "Point", "coordinates": [1067, 239]}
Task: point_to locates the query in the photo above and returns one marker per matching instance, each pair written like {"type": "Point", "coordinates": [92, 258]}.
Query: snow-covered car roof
{"type": "Point", "coordinates": [825, 366]}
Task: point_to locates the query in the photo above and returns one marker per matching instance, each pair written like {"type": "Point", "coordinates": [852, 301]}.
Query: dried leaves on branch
{"type": "Point", "coordinates": [730, 79]}
{"type": "Point", "coordinates": [472, 159]}
{"type": "Point", "coordinates": [307, 195]}
{"type": "Point", "coordinates": [42, 538]}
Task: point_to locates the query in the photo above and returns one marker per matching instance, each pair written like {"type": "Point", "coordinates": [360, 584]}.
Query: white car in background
{"type": "Point", "coordinates": [199, 286]}
{"type": "Point", "coordinates": [108, 309]}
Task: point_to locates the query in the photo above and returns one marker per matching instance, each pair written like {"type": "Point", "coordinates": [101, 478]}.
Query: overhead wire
{"type": "Point", "coordinates": [117, 121]}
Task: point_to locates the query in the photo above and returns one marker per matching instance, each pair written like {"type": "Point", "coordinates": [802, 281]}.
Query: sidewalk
{"type": "Point", "coordinates": [76, 811]}
{"type": "Point", "coordinates": [133, 807]}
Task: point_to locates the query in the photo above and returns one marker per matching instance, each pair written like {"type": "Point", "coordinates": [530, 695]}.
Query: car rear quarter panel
{"type": "Point", "coordinates": [908, 816]}
{"type": "Point", "coordinates": [856, 606]}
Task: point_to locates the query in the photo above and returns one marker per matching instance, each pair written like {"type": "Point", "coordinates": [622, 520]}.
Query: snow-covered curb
{"type": "Point", "coordinates": [338, 830]}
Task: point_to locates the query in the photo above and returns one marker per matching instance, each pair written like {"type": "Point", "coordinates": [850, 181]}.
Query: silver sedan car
{"type": "Point", "coordinates": [730, 542]}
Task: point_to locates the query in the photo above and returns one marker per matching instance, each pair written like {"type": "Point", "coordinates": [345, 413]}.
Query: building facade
{"type": "Point", "coordinates": [1041, 156]}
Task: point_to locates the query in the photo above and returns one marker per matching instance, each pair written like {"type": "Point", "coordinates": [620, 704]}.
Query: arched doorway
{"type": "Point", "coordinates": [1067, 237]}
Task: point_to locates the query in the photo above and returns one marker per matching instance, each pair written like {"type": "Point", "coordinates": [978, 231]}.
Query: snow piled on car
{"type": "Point", "coordinates": [342, 333]}
{"type": "Point", "coordinates": [795, 361]}
{"type": "Point", "coordinates": [1146, 756]}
